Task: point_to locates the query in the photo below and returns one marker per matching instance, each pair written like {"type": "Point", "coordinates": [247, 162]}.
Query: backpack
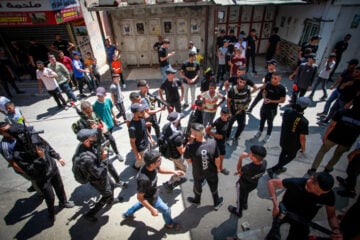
{"type": "Point", "coordinates": [163, 143]}
{"type": "Point", "coordinates": [78, 168]}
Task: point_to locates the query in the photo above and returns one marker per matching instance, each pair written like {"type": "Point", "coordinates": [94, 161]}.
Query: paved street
{"type": "Point", "coordinates": [24, 215]}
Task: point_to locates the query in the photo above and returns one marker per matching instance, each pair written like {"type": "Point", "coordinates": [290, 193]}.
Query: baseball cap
{"type": "Point", "coordinates": [192, 53]}
{"type": "Point", "coordinates": [76, 53]}
{"type": "Point", "coordinates": [226, 40]}
{"type": "Point", "coordinates": [137, 107]}
{"type": "Point", "coordinates": [142, 83]}
{"type": "Point", "coordinates": [84, 134]}
{"type": "Point", "coordinates": [316, 37]}
{"type": "Point", "coordinates": [100, 91]}
{"type": "Point", "coordinates": [312, 55]}
{"type": "Point", "coordinates": [303, 102]}
{"type": "Point", "coordinates": [353, 61]}
{"type": "Point", "coordinates": [272, 61]}
{"type": "Point", "coordinates": [175, 116]}
{"type": "Point", "coordinates": [258, 150]}
{"type": "Point", "coordinates": [170, 70]}
{"type": "Point", "coordinates": [151, 156]}
{"type": "Point", "coordinates": [134, 95]}
{"type": "Point", "coordinates": [39, 62]}
{"type": "Point", "coordinates": [166, 40]}
{"type": "Point", "coordinates": [225, 110]}
{"type": "Point", "coordinates": [197, 127]}
{"type": "Point", "coordinates": [325, 180]}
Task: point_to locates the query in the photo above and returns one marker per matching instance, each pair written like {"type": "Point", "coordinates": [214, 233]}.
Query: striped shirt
{"type": "Point", "coordinates": [210, 102]}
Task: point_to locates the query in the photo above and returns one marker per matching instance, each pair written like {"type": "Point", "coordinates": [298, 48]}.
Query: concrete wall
{"type": "Point", "coordinates": [334, 21]}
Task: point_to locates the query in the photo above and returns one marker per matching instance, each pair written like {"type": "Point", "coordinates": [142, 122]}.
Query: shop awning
{"type": "Point", "coordinates": [256, 2]}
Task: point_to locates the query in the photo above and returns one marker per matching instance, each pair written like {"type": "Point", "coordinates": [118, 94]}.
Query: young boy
{"type": "Point", "coordinates": [117, 97]}
{"type": "Point", "coordinates": [147, 192]}
{"type": "Point", "coordinates": [103, 108]}
{"type": "Point", "coordinates": [249, 177]}
{"type": "Point", "coordinates": [13, 114]}
{"type": "Point", "coordinates": [212, 100]}
{"type": "Point", "coordinates": [116, 67]}
{"type": "Point", "coordinates": [221, 125]}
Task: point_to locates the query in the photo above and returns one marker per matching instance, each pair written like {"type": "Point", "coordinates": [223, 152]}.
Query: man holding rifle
{"type": "Point", "coordinates": [91, 159]}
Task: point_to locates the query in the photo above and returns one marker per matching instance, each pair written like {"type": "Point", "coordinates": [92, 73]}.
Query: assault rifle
{"type": "Point", "coordinates": [25, 134]}
{"type": "Point", "coordinates": [159, 101]}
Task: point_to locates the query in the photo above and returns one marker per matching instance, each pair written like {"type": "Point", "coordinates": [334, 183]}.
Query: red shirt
{"type": "Point", "coordinates": [67, 62]}
{"type": "Point", "coordinates": [237, 62]}
{"type": "Point", "coordinates": [116, 66]}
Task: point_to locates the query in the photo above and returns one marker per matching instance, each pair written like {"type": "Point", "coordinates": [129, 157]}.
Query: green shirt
{"type": "Point", "coordinates": [61, 71]}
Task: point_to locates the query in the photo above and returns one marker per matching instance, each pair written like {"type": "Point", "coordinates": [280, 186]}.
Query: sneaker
{"type": "Point", "coordinates": [323, 98]}
{"type": "Point", "coordinates": [121, 184]}
{"type": "Point", "coordinates": [225, 171]}
{"type": "Point", "coordinates": [267, 138]}
{"type": "Point", "coordinates": [270, 172]}
{"type": "Point", "coordinates": [116, 200]}
{"type": "Point", "coordinates": [90, 218]}
{"type": "Point", "coordinates": [323, 122]}
{"type": "Point", "coordinates": [258, 134]}
{"type": "Point", "coordinates": [31, 189]}
{"type": "Point", "coordinates": [232, 210]}
{"type": "Point", "coordinates": [185, 105]}
{"type": "Point", "coordinates": [174, 226]}
{"type": "Point", "coordinates": [128, 217]}
{"type": "Point", "coordinates": [322, 114]}
{"type": "Point", "coordinates": [193, 201]}
{"type": "Point", "coordinates": [281, 170]}
{"type": "Point", "coordinates": [342, 181]}
{"type": "Point", "coordinates": [168, 186]}
{"type": "Point", "coordinates": [219, 204]}
{"type": "Point", "coordinates": [347, 193]}
{"type": "Point", "coordinates": [68, 204]}
{"type": "Point", "coordinates": [245, 206]}
{"type": "Point", "coordinates": [311, 171]}
{"type": "Point", "coordinates": [119, 157]}
{"type": "Point", "coordinates": [181, 181]}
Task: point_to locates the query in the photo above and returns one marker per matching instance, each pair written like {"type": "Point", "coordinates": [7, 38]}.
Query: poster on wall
{"type": "Point", "coordinates": [355, 22]}
{"type": "Point", "coordinates": [168, 29]}
{"type": "Point", "coordinates": [194, 25]}
{"type": "Point", "coordinates": [154, 25]}
{"type": "Point", "coordinates": [126, 29]}
{"type": "Point", "coordinates": [269, 14]}
{"type": "Point", "coordinates": [181, 26]}
{"type": "Point", "coordinates": [266, 30]}
{"type": "Point", "coordinates": [140, 28]}
{"type": "Point", "coordinates": [234, 14]}
{"type": "Point", "coordinates": [246, 13]}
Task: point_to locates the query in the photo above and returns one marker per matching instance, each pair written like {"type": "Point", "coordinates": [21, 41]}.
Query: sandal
{"type": "Point", "coordinates": [174, 226]}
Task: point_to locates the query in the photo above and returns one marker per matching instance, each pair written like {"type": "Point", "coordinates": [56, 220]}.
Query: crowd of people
{"type": "Point", "coordinates": [203, 143]}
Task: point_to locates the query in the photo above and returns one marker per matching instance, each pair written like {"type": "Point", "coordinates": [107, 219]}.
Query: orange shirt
{"type": "Point", "coordinates": [116, 66]}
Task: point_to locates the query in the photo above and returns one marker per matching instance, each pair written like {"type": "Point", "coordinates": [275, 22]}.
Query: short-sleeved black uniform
{"type": "Point", "coordinates": [137, 130]}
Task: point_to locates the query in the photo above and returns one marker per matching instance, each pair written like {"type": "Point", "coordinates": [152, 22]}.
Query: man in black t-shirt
{"type": "Point", "coordinates": [175, 139]}
{"type": "Point", "coordinates": [204, 156]}
{"type": "Point", "coordinates": [339, 49]}
{"type": "Point", "coordinates": [233, 80]}
{"type": "Point", "coordinates": [273, 44]}
{"type": "Point", "coordinates": [171, 88]}
{"type": "Point", "coordinates": [342, 132]}
{"type": "Point", "coordinates": [249, 176]}
{"type": "Point", "coordinates": [62, 45]}
{"type": "Point", "coordinates": [294, 129]}
{"type": "Point", "coordinates": [251, 40]}
{"type": "Point", "coordinates": [301, 202]}
{"type": "Point", "coordinates": [147, 192]}
{"type": "Point", "coordinates": [190, 71]}
{"type": "Point", "coordinates": [140, 138]}
{"type": "Point", "coordinates": [163, 57]}
{"type": "Point", "coordinates": [274, 93]}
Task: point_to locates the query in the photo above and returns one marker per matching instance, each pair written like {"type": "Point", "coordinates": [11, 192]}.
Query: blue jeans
{"type": "Point", "coordinates": [159, 205]}
{"type": "Point", "coordinates": [333, 96]}
{"type": "Point", "coordinates": [163, 73]}
{"type": "Point", "coordinates": [65, 87]}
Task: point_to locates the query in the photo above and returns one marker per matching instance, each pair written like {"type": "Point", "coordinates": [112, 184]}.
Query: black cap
{"type": "Point", "coordinates": [243, 77]}
{"type": "Point", "coordinates": [241, 68]}
{"type": "Point", "coordinates": [197, 127]}
{"type": "Point", "coordinates": [272, 61]}
{"type": "Point", "coordinates": [258, 150]}
{"type": "Point", "coordinates": [315, 37]}
{"type": "Point", "coordinates": [225, 110]}
{"type": "Point", "coordinates": [137, 107]}
{"type": "Point", "coordinates": [134, 95]}
{"type": "Point", "coordinates": [142, 83]}
{"type": "Point", "coordinates": [84, 134]}
{"type": "Point", "coordinates": [353, 61]}
{"type": "Point", "coordinates": [312, 55]}
{"type": "Point", "coordinates": [170, 70]}
{"type": "Point", "coordinates": [39, 62]}
{"type": "Point", "coordinates": [175, 116]}
{"type": "Point", "coordinates": [151, 156]}
{"type": "Point", "coordinates": [325, 180]}
{"type": "Point", "coordinates": [303, 102]}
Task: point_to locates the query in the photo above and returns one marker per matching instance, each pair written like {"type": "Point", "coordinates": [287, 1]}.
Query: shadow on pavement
{"type": "Point", "coordinates": [83, 229]}
{"type": "Point", "coordinates": [226, 228]}
{"type": "Point", "coordinates": [22, 208]}
{"type": "Point", "coordinates": [141, 231]}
